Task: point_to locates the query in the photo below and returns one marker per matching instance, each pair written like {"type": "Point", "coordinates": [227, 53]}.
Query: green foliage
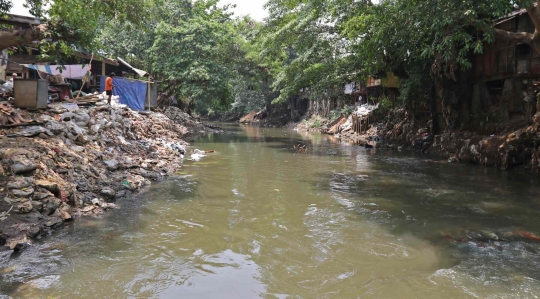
{"type": "Point", "coordinates": [192, 55]}
{"type": "Point", "coordinates": [323, 44]}
{"type": "Point", "coordinates": [336, 113]}
{"type": "Point", "coordinates": [317, 123]}
{"type": "Point", "coordinates": [252, 85]}
{"type": "Point", "coordinates": [306, 48]}
{"type": "Point", "coordinates": [385, 105]}
{"type": "Point", "coordinates": [315, 59]}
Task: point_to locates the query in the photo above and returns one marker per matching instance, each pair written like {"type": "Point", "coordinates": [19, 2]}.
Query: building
{"type": "Point", "coordinates": [380, 87]}
{"type": "Point", "coordinates": [505, 72]}
{"type": "Point", "coordinates": [29, 55]}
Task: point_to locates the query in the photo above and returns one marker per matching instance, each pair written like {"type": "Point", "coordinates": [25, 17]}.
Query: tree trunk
{"type": "Point", "coordinates": [535, 15]}
{"type": "Point", "coordinates": [11, 38]}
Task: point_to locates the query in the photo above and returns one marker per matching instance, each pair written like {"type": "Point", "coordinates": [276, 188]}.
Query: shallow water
{"type": "Point", "coordinates": [256, 220]}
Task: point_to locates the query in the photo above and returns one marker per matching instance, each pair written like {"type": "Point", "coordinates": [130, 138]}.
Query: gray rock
{"type": "Point", "coordinates": [51, 204]}
{"type": "Point", "coordinates": [61, 171]}
{"type": "Point", "coordinates": [33, 231]}
{"type": "Point", "coordinates": [41, 195]}
{"type": "Point", "coordinates": [24, 207]}
{"type": "Point", "coordinates": [55, 222]}
{"type": "Point", "coordinates": [37, 205]}
{"type": "Point", "coordinates": [77, 148]}
{"type": "Point", "coordinates": [50, 186]}
{"type": "Point", "coordinates": [120, 194]}
{"type": "Point", "coordinates": [112, 165]}
{"type": "Point", "coordinates": [23, 193]}
{"type": "Point", "coordinates": [107, 192]}
{"type": "Point", "coordinates": [21, 164]}
{"type": "Point", "coordinates": [12, 201]}
{"type": "Point", "coordinates": [20, 183]}
{"type": "Point", "coordinates": [31, 131]}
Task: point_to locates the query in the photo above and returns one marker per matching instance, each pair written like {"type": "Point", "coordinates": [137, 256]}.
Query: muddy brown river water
{"type": "Point", "coordinates": [256, 220]}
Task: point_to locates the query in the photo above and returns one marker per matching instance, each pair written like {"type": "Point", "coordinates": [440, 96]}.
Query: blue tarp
{"type": "Point", "coordinates": [131, 92]}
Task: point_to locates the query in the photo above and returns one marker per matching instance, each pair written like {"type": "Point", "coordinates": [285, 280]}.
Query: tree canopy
{"type": "Point", "coordinates": [307, 48]}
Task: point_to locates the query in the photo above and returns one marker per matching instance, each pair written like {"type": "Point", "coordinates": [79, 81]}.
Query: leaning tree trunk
{"type": "Point", "coordinates": [12, 38]}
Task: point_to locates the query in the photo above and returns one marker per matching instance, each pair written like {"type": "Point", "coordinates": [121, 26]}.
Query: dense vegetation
{"type": "Point", "coordinates": [210, 59]}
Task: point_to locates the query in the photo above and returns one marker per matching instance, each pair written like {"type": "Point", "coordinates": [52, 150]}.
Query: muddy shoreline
{"type": "Point", "coordinates": [78, 161]}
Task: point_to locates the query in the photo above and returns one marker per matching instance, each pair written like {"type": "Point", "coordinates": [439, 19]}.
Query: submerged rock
{"type": "Point", "coordinates": [55, 222]}
{"type": "Point", "coordinates": [120, 194]}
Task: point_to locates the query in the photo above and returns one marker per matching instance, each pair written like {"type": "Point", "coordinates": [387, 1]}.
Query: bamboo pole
{"type": "Point", "coordinates": [84, 78]}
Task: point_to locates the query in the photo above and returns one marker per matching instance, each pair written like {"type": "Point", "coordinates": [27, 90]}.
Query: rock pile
{"type": "Point", "coordinates": [79, 161]}
{"type": "Point", "coordinates": [193, 127]}
{"type": "Point", "coordinates": [506, 150]}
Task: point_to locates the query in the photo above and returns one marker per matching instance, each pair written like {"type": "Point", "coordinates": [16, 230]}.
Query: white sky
{"type": "Point", "coordinates": [254, 8]}
{"type": "Point", "coordinates": [18, 8]}
{"type": "Point", "coordinates": [243, 7]}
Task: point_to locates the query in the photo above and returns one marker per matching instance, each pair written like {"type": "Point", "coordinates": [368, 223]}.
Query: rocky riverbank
{"type": "Point", "coordinates": [509, 148]}
{"type": "Point", "coordinates": [76, 161]}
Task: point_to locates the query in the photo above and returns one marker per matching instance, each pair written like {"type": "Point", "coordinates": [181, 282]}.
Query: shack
{"type": "Point", "coordinates": [22, 57]}
{"type": "Point", "coordinates": [385, 85]}
{"type": "Point", "coordinates": [506, 71]}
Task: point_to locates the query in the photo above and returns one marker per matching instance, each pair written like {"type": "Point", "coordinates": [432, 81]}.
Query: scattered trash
{"type": "Point", "coordinates": [453, 159]}
{"type": "Point", "coordinates": [301, 148]}
{"type": "Point", "coordinates": [84, 154]}
{"type": "Point", "coordinates": [31, 131]}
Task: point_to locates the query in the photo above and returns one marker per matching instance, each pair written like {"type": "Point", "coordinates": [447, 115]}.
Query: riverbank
{"type": "Point", "coordinates": [76, 161]}
{"type": "Point", "coordinates": [513, 146]}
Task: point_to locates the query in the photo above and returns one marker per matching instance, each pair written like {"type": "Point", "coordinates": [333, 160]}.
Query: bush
{"type": "Point", "coordinates": [317, 123]}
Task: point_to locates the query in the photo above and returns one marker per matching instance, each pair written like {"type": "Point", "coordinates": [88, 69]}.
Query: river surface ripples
{"type": "Point", "coordinates": [256, 220]}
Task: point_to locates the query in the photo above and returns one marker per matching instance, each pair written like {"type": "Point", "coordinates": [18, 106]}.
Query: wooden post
{"type": "Point", "coordinates": [103, 68]}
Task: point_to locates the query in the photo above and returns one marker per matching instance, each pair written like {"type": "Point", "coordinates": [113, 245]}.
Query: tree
{"type": "Point", "coordinates": [254, 73]}
{"type": "Point", "coordinates": [192, 53]}
{"type": "Point", "coordinates": [316, 58]}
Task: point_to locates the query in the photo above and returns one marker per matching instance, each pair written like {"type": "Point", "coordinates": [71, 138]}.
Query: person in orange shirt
{"type": "Point", "coordinates": [109, 87]}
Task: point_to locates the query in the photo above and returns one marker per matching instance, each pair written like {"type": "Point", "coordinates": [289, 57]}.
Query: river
{"type": "Point", "coordinates": [257, 220]}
